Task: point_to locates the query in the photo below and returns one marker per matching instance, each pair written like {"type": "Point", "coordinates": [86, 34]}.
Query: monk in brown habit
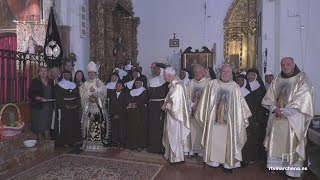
{"type": "Point", "coordinates": [157, 92]}
{"type": "Point", "coordinates": [224, 113]}
{"type": "Point", "coordinates": [289, 99]}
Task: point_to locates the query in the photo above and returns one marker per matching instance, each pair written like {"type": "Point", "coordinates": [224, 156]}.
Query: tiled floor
{"type": "Point", "coordinates": [191, 169]}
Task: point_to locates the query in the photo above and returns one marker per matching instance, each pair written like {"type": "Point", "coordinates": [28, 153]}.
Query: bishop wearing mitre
{"type": "Point", "coordinates": [95, 122]}
{"type": "Point", "coordinates": [224, 114]}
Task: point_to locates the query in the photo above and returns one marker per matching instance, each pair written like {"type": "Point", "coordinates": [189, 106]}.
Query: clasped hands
{"type": "Point", "coordinates": [98, 84]}
{"type": "Point", "coordinates": [71, 107]}
{"type": "Point", "coordinates": [278, 112]}
{"type": "Point", "coordinates": [42, 99]}
{"type": "Point", "coordinates": [132, 106]}
{"type": "Point", "coordinates": [166, 106]}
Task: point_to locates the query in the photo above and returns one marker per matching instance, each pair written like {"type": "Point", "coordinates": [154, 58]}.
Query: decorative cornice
{"type": "Point", "coordinates": [127, 6]}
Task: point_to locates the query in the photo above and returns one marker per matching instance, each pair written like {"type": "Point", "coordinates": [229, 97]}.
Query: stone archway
{"type": "Point", "coordinates": [240, 39]}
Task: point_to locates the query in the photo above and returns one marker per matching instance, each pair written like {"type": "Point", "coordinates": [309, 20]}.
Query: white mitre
{"type": "Point", "coordinates": [92, 67]}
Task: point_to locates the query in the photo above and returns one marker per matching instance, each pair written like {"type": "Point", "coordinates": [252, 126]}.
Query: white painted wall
{"type": "Point", "coordinates": [267, 38]}
{"type": "Point", "coordinates": [69, 15]}
{"type": "Point", "coordinates": [291, 28]}
{"type": "Point", "coordinates": [281, 35]}
{"type": "Point", "coordinates": [160, 19]}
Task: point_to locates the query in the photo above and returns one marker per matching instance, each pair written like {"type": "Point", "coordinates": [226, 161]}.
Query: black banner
{"type": "Point", "coordinates": [53, 52]}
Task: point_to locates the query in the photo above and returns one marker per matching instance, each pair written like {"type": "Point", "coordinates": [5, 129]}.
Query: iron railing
{"type": "Point", "coordinates": [17, 69]}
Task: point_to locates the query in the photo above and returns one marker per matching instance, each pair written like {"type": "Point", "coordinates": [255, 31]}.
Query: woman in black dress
{"type": "Point", "coordinates": [137, 117]}
{"type": "Point", "coordinates": [118, 103]}
{"type": "Point", "coordinates": [41, 93]}
{"type": "Point", "coordinates": [254, 149]}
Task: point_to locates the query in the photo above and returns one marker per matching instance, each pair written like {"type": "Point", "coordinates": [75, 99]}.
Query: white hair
{"type": "Point", "coordinates": [170, 70]}
{"type": "Point", "coordinates": [226, 66]}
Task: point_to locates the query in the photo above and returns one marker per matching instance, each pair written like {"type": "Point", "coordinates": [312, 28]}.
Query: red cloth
{"type": "Point", "coordinates": [8, 43]}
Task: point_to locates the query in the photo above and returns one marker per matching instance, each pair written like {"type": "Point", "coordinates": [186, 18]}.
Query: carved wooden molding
{"type": "Point", "coordinates": [109, 20]}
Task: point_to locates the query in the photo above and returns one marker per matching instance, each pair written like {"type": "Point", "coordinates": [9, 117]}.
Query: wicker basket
{"type": "Point", "coordinates": [9, 132]}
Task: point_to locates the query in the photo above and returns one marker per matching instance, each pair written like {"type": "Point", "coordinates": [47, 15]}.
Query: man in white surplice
{"type": "Point", "coordinates": [176, 124]}
{"type": "Point", "coordinates": [224, 114]}
{"type": "Point", "coordinates": [194, 91]}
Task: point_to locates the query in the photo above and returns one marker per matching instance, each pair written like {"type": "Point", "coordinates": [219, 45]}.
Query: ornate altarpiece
{"type": "Point", "coordinates": [113, 34]}
{"type": "Point", "coordinates": [240, 37]}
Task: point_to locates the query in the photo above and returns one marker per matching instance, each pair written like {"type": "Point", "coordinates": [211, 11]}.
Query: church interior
{"type": "Point", "coordinates": [244, 34]}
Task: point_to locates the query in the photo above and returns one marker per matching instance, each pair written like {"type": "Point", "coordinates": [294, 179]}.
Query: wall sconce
{"type": "Point", "coordinates": [39, 49]}
{"type": "Point", "coordinates": [73, 57]}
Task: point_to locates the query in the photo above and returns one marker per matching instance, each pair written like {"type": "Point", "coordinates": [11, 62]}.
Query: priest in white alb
{"type": "Point", "coordinates": [176, 124]}
{"type": "Point", "coordinates": [224, 113]}
{"type": "Point", "coordinates": [194, 90]}
{"type": "Point", "coordinates": [289, 99]}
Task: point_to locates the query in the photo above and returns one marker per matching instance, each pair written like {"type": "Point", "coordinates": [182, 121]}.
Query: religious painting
{"type": "Point", "coordinates": [222, 104]}
{"type": "Point", "coordinates": [174, 43]}
{"type": "Point", "coordinates": [204, 58]}
{"type": "Point", "coordinates": [19, 10]}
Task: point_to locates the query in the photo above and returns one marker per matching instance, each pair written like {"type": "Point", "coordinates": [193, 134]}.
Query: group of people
{"type": "Point", "coordinates": [226, 121]}
{"type": "Point", "coordinates": [233, 124]}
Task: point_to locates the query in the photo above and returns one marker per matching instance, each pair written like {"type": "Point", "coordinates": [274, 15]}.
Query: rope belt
{"type": "Point", "coordinates": [156, 100]}
{"type": "Point", "coordinates": [69, 99]}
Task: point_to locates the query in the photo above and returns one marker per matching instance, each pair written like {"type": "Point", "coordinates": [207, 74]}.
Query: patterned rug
{"type": "Point", "coordinates": [156, 158]}
{"type": "Point", "coordinates": [68, 166]}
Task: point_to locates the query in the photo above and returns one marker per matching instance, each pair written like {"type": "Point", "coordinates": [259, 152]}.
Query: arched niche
{"type": "Point", "coordinates": [240, 35]}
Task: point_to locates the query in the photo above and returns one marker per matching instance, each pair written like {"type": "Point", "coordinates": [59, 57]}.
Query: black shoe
{"type": "Point", "coordinates": [286, 177]}
{"type": "Point", "coordinates": [244, 164]}
{"type": "Point", "coordinates": [71, 145]}
{"type": "Point", "coordinates": [77, 150]}
{"type": "Point", "coordinates": [277, 172]}
{"type": "Point", "coordinates": [227, 171]}
{"type": "Point", "coordinates": [58, 145]}
{"type": "Point", "coordinates": [123, 145]}
{"type": "Point", "coordinates": [177, 163]}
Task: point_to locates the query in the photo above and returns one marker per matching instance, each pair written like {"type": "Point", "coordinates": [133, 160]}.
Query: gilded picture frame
{"type": "Point", "coordinates": [27, 11]}
{"type": "Point", "coordinates": [205, 58]}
